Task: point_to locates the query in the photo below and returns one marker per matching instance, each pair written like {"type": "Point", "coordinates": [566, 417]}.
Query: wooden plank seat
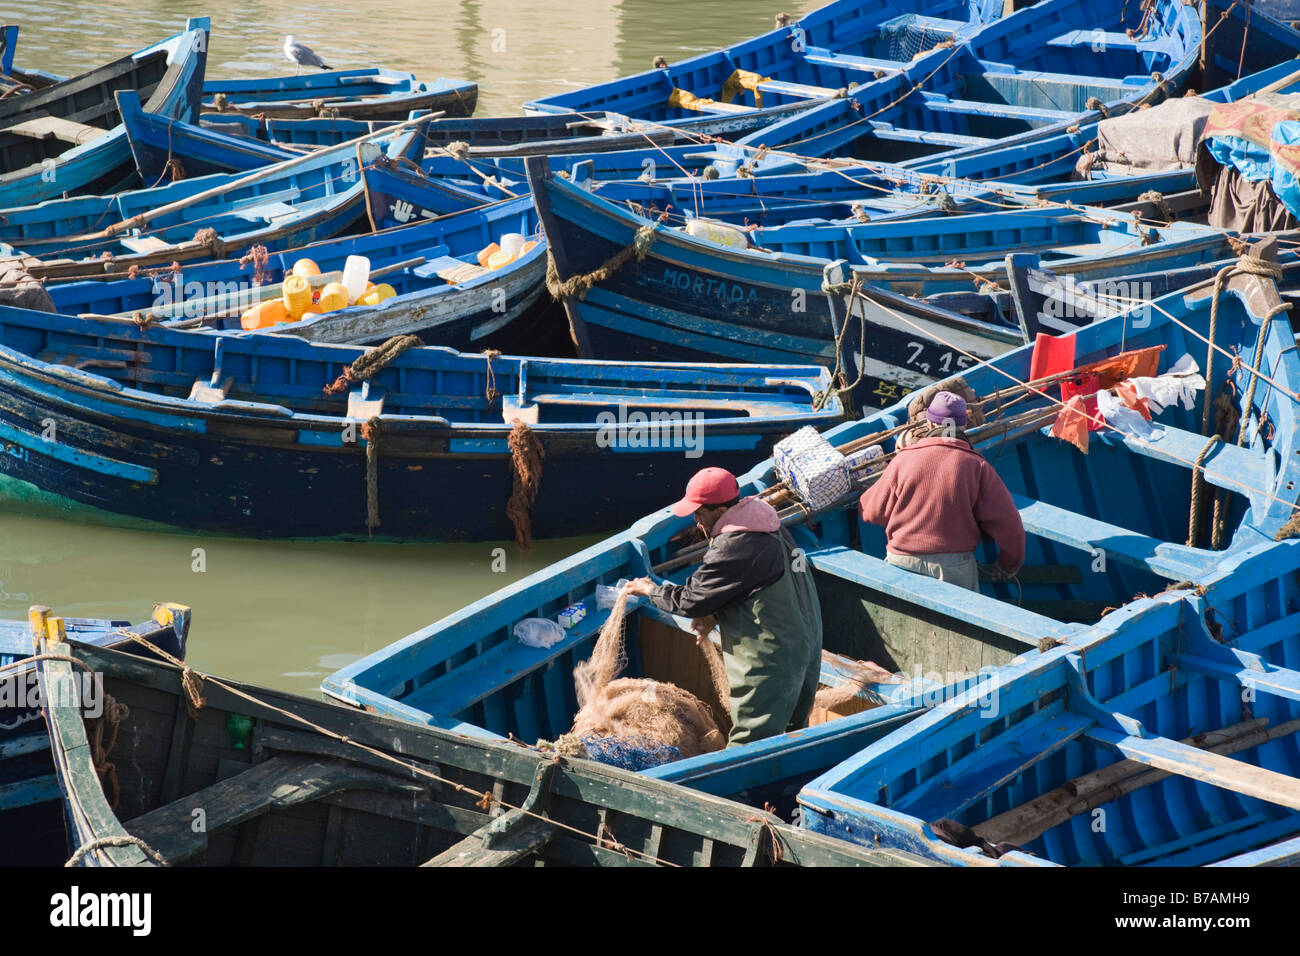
{"type": "Point", "coordinates": [1108, 40]}
{"type": "Point", "coordinates": [929, 137]}
{"type": "Point", "coordinates": [1227, 466]}
{"type": "Point", "coordinates": [1202, 765]}
{"type": "Point", "coordinates": [449, 269]}
{"type": "Point", "coordinates": [821, 56]}
{"type": "Point", "coordinates": [507, 662]}
{"type": "Point", "coordinates": [796, 90]}
{"type": "Point", "coordinates": [1031, 114]}
{"type": "Point", "coordinates": [56, 127]}
{"type": "Point", "coordinates": [993, 615]}
{"type": "Point", "coordinates": [1173, 561]}
{"type": "Point", "coordinates": [275, 784]}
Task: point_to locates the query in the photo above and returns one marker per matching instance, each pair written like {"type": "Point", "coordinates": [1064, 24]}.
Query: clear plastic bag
{"type": "Point", "coordinates": [538, 632]}
{"type": "Point", "coordinates": [606, 594]}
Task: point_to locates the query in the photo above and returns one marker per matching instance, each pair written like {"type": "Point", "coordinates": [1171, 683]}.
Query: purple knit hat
{"type": "Point", "coordinates": [947, 407]}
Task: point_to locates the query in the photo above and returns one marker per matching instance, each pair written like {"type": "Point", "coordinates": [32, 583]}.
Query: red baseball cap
{"type": "Point", "coordinates": [709, 486]}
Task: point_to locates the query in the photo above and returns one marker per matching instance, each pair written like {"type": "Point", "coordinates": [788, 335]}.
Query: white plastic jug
{"type": "Point", "coordinates": [722, 233]}
{"type": "Point", "coordinates": [356, 273]}
{"type": "Point", "coordinates": [512, 243]}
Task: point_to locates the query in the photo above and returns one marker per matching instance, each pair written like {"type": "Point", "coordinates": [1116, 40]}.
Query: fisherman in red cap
{"type": "Point", "coordinates": [761, 599]}
{"type": "Point", "coordinates": [938, 498]}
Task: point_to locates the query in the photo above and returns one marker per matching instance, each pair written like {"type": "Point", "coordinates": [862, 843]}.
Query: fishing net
{"type": "Point", "coordinates": [630, 753]}
{"type": "Point", "coordinates": [904, 37]}
{"type": "Point", "coordinates": [637, 715]}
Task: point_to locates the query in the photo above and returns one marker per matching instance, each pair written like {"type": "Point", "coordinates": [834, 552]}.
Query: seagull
{"type": "Point", "coordinates": [302, 55]}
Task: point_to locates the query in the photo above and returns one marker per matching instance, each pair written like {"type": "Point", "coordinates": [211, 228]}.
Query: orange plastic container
{"type": "Point", "coordinates": [297, 296]}
{"type": "Point", "coordinates": [264, 315]}
{"type": "Point", "coordinates": [487, 253]}
{"type": "Point", "coordinates": [306, 268]}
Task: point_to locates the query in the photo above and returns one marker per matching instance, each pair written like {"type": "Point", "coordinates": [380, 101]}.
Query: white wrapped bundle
{"type": "Point", "coordinates": [817, 473]}
{"type": "Point", "coordinates": [859, 470]}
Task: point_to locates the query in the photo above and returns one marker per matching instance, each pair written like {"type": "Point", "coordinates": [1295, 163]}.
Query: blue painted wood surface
{"type": "Point", "coordinates": [31, 812]}
{"type": "Point", "coordinates": [104, 163]}
{"type": "Point", "coordinates": [466, 672]}
{"type": "Point", "coordinates": [280, 457]}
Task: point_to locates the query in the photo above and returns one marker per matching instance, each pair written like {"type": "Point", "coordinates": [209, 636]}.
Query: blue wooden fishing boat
{"type": "Point", "coordinates": [668, 303]}
{"type": "Point", "coordinates": [1038, 70]}
{"type": "Point", "coordinates": [1126, 501]}
{"type": "Point", "coordinates": [312, 197]}
{"type": "Point", "coordinates": [225, 143]}
{"type": "Point", "coordinates": [367, 790]}
{"type": "Point", "coordinates": [240, 434]}
{"type": "Point", "coordinates": [72, 150]}
{"type": "Point", "coordinates": [167, 149]}
{"type": "Point", "coordinates": [31, 808]}
{"type": "Point", "coordinates": [1167, 738]}
{"type": "Point", "coordinates": [368, 94]}
{"type": "Point", "coordinates": [27, 78]}
{"type": "Point", "coordinates": [813, 58]}
{"type": "Point", "coordinates": [442, 292]}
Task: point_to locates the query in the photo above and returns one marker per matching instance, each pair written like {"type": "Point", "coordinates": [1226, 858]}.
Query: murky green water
{"type": "Point", "coordinates": [287, 613]}
{"type": "Point", "coordinates": [514, 49]}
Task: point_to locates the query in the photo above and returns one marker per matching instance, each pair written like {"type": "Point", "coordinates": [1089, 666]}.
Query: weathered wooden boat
{"type": "Point", "coordinates": [813, 58]}
{"type": "Point", "coordinates": [281, 206]}
{"type": "Point", "coordinates": [1167, 738]}
{"type": "Point", "coordinates": [685, 297]}
{"type": "Point", "coordinates": [1035, 71]}
{"type": "Point", "coordinates": [87, 99]}
{"type": "Point", "coordinates": [225, 143]}
{"type": "Point", "coordinates": [283, 781]}
{"type": "Point", "coordinates": [237, 434]}
{"type": "Point", "coordinates": [1100, 529]}
{"type": "Point", "coordinates": [31, 808]}
{"type": "Point", "coordinates": [1240, 37]}
{"type": "Point", "coordinates": [167, 149]}
{"type": "Point", "coordinates": [443, 294]}
{"type": "Point", "coordinates": [367, 94]}
{"type": "Point", "coordinates": [15, 81]}
{"type": "Point", "coordinates": [81, 146]}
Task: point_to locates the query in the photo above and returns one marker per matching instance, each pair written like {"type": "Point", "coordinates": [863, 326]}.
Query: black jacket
{"type": "Point", "coordinates": [736, 566]}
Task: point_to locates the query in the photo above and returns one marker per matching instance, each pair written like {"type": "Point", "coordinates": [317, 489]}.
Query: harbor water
{"type": "Point", "coordinates": [286, 613]}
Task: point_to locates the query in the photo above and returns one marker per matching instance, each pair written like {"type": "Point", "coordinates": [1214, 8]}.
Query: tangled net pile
{"type": "Point", "coordinates": [635, 723]}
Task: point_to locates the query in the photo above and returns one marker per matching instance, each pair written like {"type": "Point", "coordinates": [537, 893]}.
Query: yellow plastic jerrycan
{"type": "Point", "coordinates": [333, 296]}
{"type": "Point", "coordinates": [297, 296]}
{"type": "Point", "coordinates": [380, 293]}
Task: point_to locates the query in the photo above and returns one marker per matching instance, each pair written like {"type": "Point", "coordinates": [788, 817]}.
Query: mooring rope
{"type": "Point", "coordinates": [100, 843]}
{"type": "Point", "coordinates": [526, 454]}
{"type": "Point", "coordinates": [372, 361]}
{"type": "Point", "coordinates": [370, 433]}
{"type": "Point", "coordinates": [579, 285]}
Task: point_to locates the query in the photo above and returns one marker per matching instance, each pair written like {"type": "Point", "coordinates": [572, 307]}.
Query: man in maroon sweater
{"type": "Point", "coordinates": [939, 497]}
